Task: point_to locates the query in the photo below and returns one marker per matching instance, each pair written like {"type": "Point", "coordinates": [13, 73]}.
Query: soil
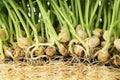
{"type": "Point", "coordinates": [56, 71]}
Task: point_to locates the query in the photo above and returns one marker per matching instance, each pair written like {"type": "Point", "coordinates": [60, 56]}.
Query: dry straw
{"type": "Point", "coordinates": [57, 71]}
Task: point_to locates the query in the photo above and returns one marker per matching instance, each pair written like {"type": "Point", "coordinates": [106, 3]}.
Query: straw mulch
{"type": "Point", "coordinates": [57, 71]}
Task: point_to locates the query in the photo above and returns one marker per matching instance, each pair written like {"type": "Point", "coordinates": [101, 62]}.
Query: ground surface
{"type": "Point", "coordinates": [56, 71]}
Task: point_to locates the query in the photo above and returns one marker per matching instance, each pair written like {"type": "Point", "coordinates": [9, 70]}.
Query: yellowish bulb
{"type": "Point", "coordinates": [93, 41]}
{"type": "Point", "coordinates": [39, 51]}
{"type": "Point", "coordinates": [103, 56]}
{"type": "Point", "coordinates": [23, 42]}
{"type": "Point", "coordinates": [117, 44]}
{"type": "Point", "coordinates": [97, 32]}
{"type": "Point", "coordinates": [62, 50]}
{"type": "Point", "coordinates": [116, 60]}
{"type": "Point", "coordinates": [63, 35]}
{"type": "Point", "coordinates": [2, 34]}
{"type": "Point", "coordinates": [78, 50]}
{"type": "Point", "coordinates": [50, 51]}
{"type": "Point", "coordinates": [18, 53]}
{"type": "Point", "coordinates": [78, 27]}
{"type": "Point", "coordinates": [105, 35]}
{"type": "Point", "coordinates": [82, 34]}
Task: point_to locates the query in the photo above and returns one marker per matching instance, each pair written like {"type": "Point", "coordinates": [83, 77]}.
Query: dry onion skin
{"type": "Point", "coordinates": [103, 56]}
{"type": "Point", "coordinates": [93, 41]}
{"type": "Point", "coordinates": [23, 42]}
{"type": "Point", "coordinates": [50, 51]}
{"type": "Point", "coordinates": [78, 50]}
{"type": "Point", "coordinates": [117, 44]}
{"type": "Point", "coordinates": [2, 34]}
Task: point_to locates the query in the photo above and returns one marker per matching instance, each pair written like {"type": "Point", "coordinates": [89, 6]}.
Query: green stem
{"type": "Point", "coordinates": [94, 10]}
{"type": "Point", "coordinates": [87, 2]}
{"type": "Point", "coordinates": [42, 31]}
{"type": "Point", "coordinates": [80, 13]}
{"type": "Point", "coordinates": [113, 22]}
{"type": "Point", "coordinates": [32, 26]}
{"type": "Point", "coordinates": [99, 15]}
{"type": "Point", "coordinates": [32, 11]}
{"type": "Point", "coordinates": [14, 19]}
{"type": "Point", "coordinates": [24, 5]}
{"type": "Point", "coordinates": [11, 29]}
{"type": "Point", "coordinates": [105, 19]}
{"type": "Point", "coordinates": [13, 4]}
{"type": "Point", "coordinates": [76, 11]}
{"type": "Point", "coordinates": [46, 19]}
{"type": "Point", "coordinates": [4, 27]}
{"type": "Point", "coordinates": [71, 28]}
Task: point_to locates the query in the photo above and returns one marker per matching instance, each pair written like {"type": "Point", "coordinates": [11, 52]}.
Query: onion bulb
{"type": "Point", "coordinates": [116, 60]}
{"type": "Point", "coordinates": [63, 35]}
{"type": "Point", "coordinates": [38, 27]}
{"type": "Point", "coordinates": [40, 39]}
{"type": "Point", "coordinates": [23, 42]}
{"type": "Point", "coordinates": [78, 50]}
{"type": "Point", "coordinates": [103, 43]}
{"type": "Point", "coordinates": [2, 34]}
{"type": "Point", "coordinates": [105, 34]}
{"type": "Point", "coordinates": [50, 51]}
{"type": "Point", "coordinates": [8, 52]}
{"type": "Point", "coordinates": [62, 50]}
{"type": "Point", "coordinates": [78, 27]}
{"type": "Point", "coordinates": [93, 41]}
{"type": "Point", "coordinates": [39, 51]}
{"type": "Point", "coordinates": [97, 32]}
{"type": "Point", "coordinates": [117, 44]}
{"type": "Point", "coordinates": [103, 56]}
{"type": "Point", "coordinates": [18, 53]}
{"type": "Point", "coordinates": [82, 34]}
